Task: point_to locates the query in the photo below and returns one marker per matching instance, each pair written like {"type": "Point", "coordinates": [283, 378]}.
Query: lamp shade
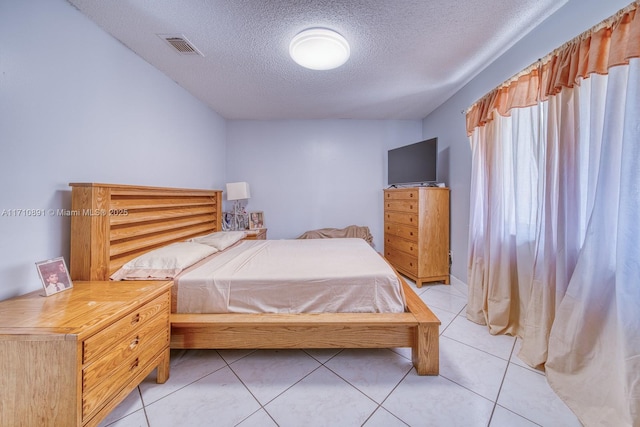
{"type": "Point", "coordinates": [238, 191]}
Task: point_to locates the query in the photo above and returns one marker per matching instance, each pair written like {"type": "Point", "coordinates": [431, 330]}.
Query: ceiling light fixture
{"type": "Point", "coordinates": [319, 49]}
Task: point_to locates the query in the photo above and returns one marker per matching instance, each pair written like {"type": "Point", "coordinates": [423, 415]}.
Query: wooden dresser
{"type": "Point", "coordinates": [416, 232]}
{"type": "Point", "coordinates": [70, 358]}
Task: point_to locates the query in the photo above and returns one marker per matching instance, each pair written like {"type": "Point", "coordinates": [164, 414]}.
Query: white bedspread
{"type": "Point", "coordinates": [292, 276]}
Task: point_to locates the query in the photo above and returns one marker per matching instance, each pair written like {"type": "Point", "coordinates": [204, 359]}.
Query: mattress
{"type": "Point", "coordinates": [291, 276]}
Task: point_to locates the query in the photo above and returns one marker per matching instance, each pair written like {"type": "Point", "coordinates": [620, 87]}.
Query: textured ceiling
{"type": "Point", "coordinates": [407, 56]}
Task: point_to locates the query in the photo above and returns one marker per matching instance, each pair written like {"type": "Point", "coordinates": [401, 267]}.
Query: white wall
{"type": "Point", "coordinates": [309, 174]}
{"type": "Point", "coordinates": [78, 106]}
{"type": "Point", "coordinates": [448, 122]}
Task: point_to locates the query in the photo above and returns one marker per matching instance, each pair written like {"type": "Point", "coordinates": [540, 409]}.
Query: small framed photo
{"type": "Point", "coordinates": [54, 275]}
{"type": "Point", "coordinates": [227, 221]}
{"type": "Point", "coordinates": [256, 220]}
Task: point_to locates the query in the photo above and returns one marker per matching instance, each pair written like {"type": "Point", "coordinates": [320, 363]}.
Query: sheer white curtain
{"type": "Point", "coordinates": [554, 252]}
{"type": "Point", "coordinates": [594, 346]}
{"type": "Point", "coordinates": [504, 212]}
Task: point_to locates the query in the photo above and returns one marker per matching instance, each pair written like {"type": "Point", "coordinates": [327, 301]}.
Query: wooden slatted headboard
{"type": "Point", "coordinates": [111, 224]}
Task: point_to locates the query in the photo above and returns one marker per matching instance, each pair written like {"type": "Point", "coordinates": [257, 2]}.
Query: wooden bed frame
{"type": "Point", "coordinates": [111, 224]}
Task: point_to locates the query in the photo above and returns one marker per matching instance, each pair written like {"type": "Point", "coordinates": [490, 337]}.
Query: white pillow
{"type": "Point", "coordinates": [220, 239]}
{"type": "Point", "coordinates": [165, 262]}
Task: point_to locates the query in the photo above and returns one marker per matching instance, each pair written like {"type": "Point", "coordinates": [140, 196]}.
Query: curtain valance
{"type": "Point", "coordinates": [607, 45]}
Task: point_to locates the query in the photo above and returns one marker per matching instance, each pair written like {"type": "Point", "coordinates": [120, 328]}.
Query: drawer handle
{"type": "Point", "coordinates": [134, 342]}
{"type": "Point", "coordinates": [411, 207]}
{"type": "Point", "coordinates": [135, 364]}
{"type": "Point", "coordinates": [411, 233]}
{"type": "Point", "coordinates": [135, 319]}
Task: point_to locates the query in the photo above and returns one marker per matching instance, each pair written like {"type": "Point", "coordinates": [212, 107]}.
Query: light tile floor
{"type": "Point", "coordinates": [481, 383]}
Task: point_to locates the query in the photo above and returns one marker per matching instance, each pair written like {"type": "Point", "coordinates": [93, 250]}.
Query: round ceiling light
{"type": "Point", "coordinates": [319, 49]}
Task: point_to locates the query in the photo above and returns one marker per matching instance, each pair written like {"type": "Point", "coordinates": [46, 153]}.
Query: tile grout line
{"type": "Point", "coordinates": [476, 348]}
{"type": "Point", "coordinates": [144, 408]}
{"type": "Point", "coordinates": [504, 376]}
{"type": "Point", "coordinates": [263, 407]}
{"type": "Point", "coordinates": [390, 393]}
{"type": "Point", "coordinates": [144, 404]}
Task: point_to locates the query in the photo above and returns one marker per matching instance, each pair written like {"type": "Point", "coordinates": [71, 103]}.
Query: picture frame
{"type": "Point", "coordinates": [227, 221]}
{"type": "Point", "coordinates": [54, 275]}
{"type": "Point", "coordinates": [256, 220]}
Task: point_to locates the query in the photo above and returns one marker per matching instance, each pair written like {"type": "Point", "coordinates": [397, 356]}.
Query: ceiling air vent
{"type": "Point", "coordinates": [180, 44]}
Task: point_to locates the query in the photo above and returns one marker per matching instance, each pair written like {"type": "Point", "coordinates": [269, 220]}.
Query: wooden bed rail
{"type": "Point", "coordinates": [418, 328]}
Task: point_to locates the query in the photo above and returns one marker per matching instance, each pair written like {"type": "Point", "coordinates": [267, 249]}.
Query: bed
{"type": "Point", "coordinates": [112, 224]}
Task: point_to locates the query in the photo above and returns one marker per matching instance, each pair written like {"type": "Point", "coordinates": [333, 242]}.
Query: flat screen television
{"type": "Point", "coordinates": [413, 164]}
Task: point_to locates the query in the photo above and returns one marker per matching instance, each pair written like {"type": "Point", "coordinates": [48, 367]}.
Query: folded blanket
{"type": "Point", "coordinates": [330, 233]}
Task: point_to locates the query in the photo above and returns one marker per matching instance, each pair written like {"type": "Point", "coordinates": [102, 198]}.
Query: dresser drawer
{"type": "Point", "coordinates": [402, 261]}
{"type": "Point", "coordinates": [128, 347]}
{"type": "Point", "coordinates": [122, 330]}
{"type": "Point", "coordinates": [402, 205]}
{"type": "Point", "coordinates": [406, 246]}
{"type": "Point", "coordinates": [102, 380]}
{"type": "Point", "coordinates": [401, 218]}
{"type": "Point", "coordinates": [407, 232]}
{"type": "Point", "coordinates": [408, 194]}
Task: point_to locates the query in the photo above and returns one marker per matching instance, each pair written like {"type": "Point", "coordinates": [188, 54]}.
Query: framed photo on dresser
{"type": "Point", "coordinates": [54, 275]}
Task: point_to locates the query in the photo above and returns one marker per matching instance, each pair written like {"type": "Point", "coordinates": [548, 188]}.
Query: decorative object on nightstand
{"type": "Point", "coordinates": [236, 192]}
{"type": "Point", "coordinates": [256, 220]}
{"type": "Point", "coordinates": [71, 358]}
{"type": "Point", "coordinates": [256, 234]}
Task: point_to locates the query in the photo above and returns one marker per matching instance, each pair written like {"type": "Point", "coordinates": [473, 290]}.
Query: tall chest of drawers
{"type": "Point", "coordinates": [416, 232]}
{"type": "Point", "coordinates": [70, 358]}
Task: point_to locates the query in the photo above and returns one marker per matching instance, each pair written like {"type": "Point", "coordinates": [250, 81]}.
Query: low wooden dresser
{"type": "Point", "coordinates": [70, 358]}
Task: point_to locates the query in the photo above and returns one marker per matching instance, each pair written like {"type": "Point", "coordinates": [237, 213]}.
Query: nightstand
{"type": "Point", "coordinates": [260, 234]}
{"type": "Point", "coordinates": [70, 358]}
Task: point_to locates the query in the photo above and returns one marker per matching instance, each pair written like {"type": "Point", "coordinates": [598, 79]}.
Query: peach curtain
{"type": "Point", "coordinates": [611, 43]}
{"type": "Point", "coordinates": [554, 252]}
